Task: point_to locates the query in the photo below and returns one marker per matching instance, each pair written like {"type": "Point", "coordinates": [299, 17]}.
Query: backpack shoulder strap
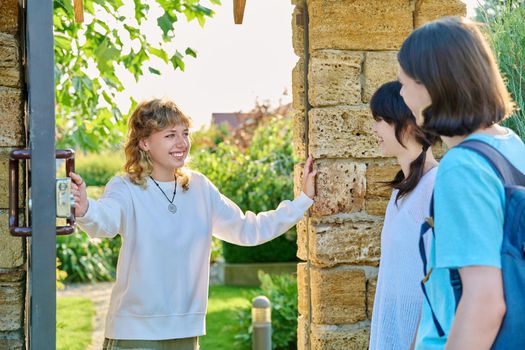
{"type": "Point", "coordinates": [508, 173]}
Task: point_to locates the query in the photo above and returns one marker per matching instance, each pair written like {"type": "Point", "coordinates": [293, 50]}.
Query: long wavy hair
{"type": "Point", "coordinates": [388, 105]}
{"type": "Point", "coordinates": [151, 116]}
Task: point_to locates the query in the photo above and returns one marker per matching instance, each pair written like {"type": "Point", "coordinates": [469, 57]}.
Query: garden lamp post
{"type": "Point", "coordinates": [261, 324]}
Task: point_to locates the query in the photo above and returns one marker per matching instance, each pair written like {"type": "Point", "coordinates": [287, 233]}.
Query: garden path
{"type": "Point", "coordinates": [99, 293]}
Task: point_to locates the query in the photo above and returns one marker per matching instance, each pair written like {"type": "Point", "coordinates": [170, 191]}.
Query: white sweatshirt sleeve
{"type": "Point", "coordinates": [105, 217]}
{"type": "Point", "coordinates": [248, 229]}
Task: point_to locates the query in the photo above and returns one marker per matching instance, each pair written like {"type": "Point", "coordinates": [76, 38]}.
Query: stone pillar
{"type": "Point", "coordinates": [12, 136]}
{"type": "Point", "coordinates": [352, 50]}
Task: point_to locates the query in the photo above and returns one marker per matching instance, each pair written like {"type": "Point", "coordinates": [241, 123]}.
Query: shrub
{"type": "Point", "coordinates": [282, 292]}
{"type": "Point", "coordinates": [506, 32]}
{"type": "Point", "coordinates": [98, 169]}
{"type": "Point", "coordinates": [257, 180]}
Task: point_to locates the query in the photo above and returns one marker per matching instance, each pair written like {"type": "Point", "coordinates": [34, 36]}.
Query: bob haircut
{"type": "Point", "coordinates": [454, 62]}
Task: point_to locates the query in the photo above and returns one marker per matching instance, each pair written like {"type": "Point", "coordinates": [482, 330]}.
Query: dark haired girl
{"type": "Point", "coordinates": [453, 85]}
{"type": "Point", "coordinates": [398, 297]}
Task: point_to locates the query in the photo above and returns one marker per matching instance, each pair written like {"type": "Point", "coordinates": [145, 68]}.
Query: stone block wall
{"type": "Point", "coordinates": [12, 136]}
{"type": "Point", "coordinates": [352, 47]}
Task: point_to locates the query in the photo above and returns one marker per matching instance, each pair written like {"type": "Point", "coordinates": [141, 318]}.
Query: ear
{"type": "Point", "coordinates": [143, 145]}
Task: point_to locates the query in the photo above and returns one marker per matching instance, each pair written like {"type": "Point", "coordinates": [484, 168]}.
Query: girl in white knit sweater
{"type": "Point", "coordinates": [398, 297]}
{"type": "Point", "coordinates": [166, 216]}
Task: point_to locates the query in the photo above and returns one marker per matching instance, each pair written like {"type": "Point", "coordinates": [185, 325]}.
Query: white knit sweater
{"type": "Point", "coordinates": [161, 289]}
{"type": "Point", "coordinates": [398, 298]}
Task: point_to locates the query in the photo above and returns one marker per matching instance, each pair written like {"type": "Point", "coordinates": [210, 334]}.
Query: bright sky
{"type": "Point", "coordinates": [235, 65]}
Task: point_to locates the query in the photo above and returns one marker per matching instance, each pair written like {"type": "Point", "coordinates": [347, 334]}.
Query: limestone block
{"type": "Point", "coordinates": [335, 78]}
{"type": "Point", "coordinates": [342, 132]}
{"type": "Point", "coordinates": [12, 340]}
{"type": "Point", "coordinates": [341, 187]}
{"type": "Point", "coordinates": [9, 16]}
{"type": "Point", "coordinates": [303, 334]}
{"type": "Point", "coordinates": [347, 337]}
{"type": "Point", "coordinates": [12, 252]}
{"type": "Point", "coordinates": [302, 289]}
{"type": "Point", "coordinates": [338, 295]}
{"type": "Point", "coordinates": [377, 173]}
{"type": "Point", "coordinates": [378, 68]}
{"type": "Point", "coordinates": [376, 206]}
{"type": "Point", "coordinates": [359, 25]}
{"type": "Point", "coordinates": [4, 180]}
{"type": "Point", "coordinates": [371, 285]}
{"type": "Point", "coordinates": [11, 133]}
{"type": "Point", "coordinates": [298, 30]}
{"type": "Point", "coordinates": [302, 240]}
{"type": "Point", "coordinates": [9, 61]}
{"type": "Point", "coordinates": [298, 86]}
{"type": "Point", "coordinates": [299, 134]}
{"type": "Point", "coordinates": [349, 242]}
{"type": "Point", "coordinates": [429, 10]}
{"type": "Point", "coordinates": [11, 306]}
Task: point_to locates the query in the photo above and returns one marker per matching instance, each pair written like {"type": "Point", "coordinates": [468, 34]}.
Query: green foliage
{"type": "Point", "coordinates": [85, 259]}
{"type": "Point", "coordinates": [506, 31]}
{"type": "Point", "coordinates": [257, 180]}
{"type": "Point", "coordinates": [91, 58]}
{"type": "Point", "coordinates": [208, 139]}
{"type": "Point", "coordinates": [74, 323]}
{"type": "Point", "coordinates": [223, 304]}
{"type": "Point", "coordinates": [282, 292]}
{"type": "Point", "coordinates": [98, 169]}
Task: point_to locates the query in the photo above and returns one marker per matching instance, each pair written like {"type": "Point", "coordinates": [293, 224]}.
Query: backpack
{"type": "Point", "coordinates": [511, 334]}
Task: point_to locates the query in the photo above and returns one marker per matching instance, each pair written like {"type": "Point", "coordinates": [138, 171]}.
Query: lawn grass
{"type": "Point", "coordinates": [74, 323]}
{"type": "Point", "coordinates": [223, 300]}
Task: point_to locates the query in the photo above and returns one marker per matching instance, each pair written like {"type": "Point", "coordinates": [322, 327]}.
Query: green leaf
{"type": "Point", "coordinates": [63, 42]}
{"type": "Point", "coordinates": [189, 51]}
{"type": "Point", "coordinates": [159, 53]}
{"type": "Point", "coordinates": [176, 61]}
{"type": "Point", "coordinates": [165, 22]}
{"type": "Point", "coordinates": [154, 71]}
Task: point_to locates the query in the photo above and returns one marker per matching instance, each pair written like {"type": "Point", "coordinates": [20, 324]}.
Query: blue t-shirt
{"type": "Point", "coordinates": [469, 203]}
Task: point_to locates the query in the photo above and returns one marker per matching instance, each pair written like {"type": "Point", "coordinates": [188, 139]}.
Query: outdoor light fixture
{"type": "Point", "coordinates": [238, 10]}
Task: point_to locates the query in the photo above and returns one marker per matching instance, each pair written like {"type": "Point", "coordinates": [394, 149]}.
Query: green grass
{"type": "Point", "coordinates": [223, 300]}
{"type": "Point", "coordinates": [74, 323]}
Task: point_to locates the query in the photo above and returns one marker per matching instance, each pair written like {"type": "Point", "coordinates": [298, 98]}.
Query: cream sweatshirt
{"type": "Point", "coordinates": [161, 289]}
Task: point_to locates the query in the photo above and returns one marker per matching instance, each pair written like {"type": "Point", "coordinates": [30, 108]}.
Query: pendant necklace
{"type": "Point", "coordinates": [171, 207]}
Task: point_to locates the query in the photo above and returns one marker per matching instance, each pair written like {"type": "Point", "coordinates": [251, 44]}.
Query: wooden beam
{"type": "Point", "coordinates": [238, 10]}
{"type": "Point", "coordinates": [78, 6]}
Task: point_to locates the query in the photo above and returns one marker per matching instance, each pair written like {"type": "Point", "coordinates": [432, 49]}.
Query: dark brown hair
{"type": "Point", "coordinates": [388, 105]}
{"type": "Point", "coordinates": [454, 62]}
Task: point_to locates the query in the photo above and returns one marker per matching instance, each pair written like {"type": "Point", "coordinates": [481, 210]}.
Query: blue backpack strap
{"type": "Point", "coordinates": [428, 225]}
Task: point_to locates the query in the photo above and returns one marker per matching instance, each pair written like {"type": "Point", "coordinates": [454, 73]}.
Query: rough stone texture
{"type": "Point", "coordinates": [298, 86]}
{"type": "Point", "coordinates": [302, 240]}
{"type": "Point", "coordinates": [303, 335]}
{"type": "Point", "coordinates": [9, 61]}
{"type": "Point", "coordinates": [302, 289]}
{"type": "Point", "coordinates": [11, 306]}
{"type": "Point", "coordinates": [350, 242]}
{"type": "Point", "coordinates": [9, 16]}
{"type": "Point", "coordinates": [341, 187]}
{"type": "Point", "coordinates": [378, 172]}
{"type": "Point", "coordinates": [298, 30]}
{"type": "Point", "coordinates": [11, 254]}
{"type": "Point", "coordinates": [371, 285]}
{"type": "Point", "coordinates": [4, 180]}
{"type": "Point", "coordinates": [299, 134]}
{"type": "Point", "coordinates": [12, 340]}
{"type": "Point", "coordinates": [11, 133]}
{"type": "Point", "coordinates": [348, 337]}
{"type": "Point", "coordinates": [341, 132]}
{"type": "Point", "coordinates": [338, 295]}
{"type": "Point", "coordinates": [376, 206]}
{"type": "Point", "coordinates": [378, 68]}
{"type": "Point", "coordinates": [429, 10]}
{"type": "Point", "coordinates": [359, 25]}
{"type": "Point", "coordinates": [334, 78]}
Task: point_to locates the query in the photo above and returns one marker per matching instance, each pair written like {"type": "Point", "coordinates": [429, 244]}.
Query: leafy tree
{"type": "Point", "coordinates": [90, 55]}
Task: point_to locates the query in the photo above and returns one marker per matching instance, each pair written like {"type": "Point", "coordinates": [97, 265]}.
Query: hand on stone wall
{"type": "Point", "coordinates": [309, 177]}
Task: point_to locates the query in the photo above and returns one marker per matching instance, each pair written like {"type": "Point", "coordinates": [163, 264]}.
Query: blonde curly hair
{"type": "Point", "coordinates": [148, 117]}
